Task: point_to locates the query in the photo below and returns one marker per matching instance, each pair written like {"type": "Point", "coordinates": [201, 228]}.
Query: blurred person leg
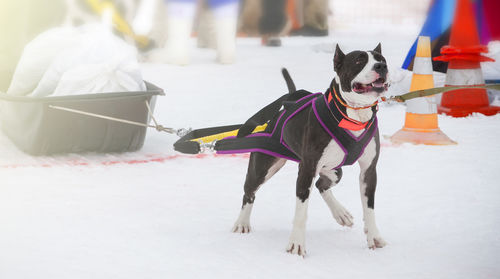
{"type": "Point", "coordinates": [272, 21]}
{"type": "Point", "coordinates": [150, 21]}
{"type": "Point", "coordinates": [180, 16]}
{"type": "Point", "coordinates": [299, 12]}
{"type": "Point", "coordinates": [142, 23]}
{"type": "Point", "coordinates": [226, 21]}
{"type": "Point", "coordinates": [315, 17]}
{"type": "Point", "coordinates": [205, 27]}
{"type": "Point", "coordinates": [179, 21]}
{"type": "Point", "coordinates": [249, 17]}
{"type": "Point", "coordinates": [20, 22]}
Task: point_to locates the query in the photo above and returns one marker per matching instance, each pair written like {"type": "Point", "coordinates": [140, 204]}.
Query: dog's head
{"type": "Point", "coordinates": [362, 75]}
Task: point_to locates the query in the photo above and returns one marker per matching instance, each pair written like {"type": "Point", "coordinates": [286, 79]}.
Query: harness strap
{"type": "Point", "coordinates": [271, 140]}
{"type": "Point", "coordinates": [352, 146]}
{"type": "Point", "coordinates": [262, 144]}
{"type": "Point", "coordinates": [269, 112]}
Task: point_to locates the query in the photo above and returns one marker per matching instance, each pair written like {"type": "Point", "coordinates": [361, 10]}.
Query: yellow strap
{"type": "Point", "coordinates": [120, 24]}
{"type": "Point", "coordinates": [220, 136]}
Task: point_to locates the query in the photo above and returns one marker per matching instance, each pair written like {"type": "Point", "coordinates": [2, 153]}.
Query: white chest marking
{"type": "Point", "coordinates": [362, 115]}
{"type": "Point", "coordinates": [332, 156]}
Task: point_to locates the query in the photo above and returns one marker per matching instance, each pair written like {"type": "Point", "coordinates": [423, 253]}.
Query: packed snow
{"type": "Point", "coordinates": [158, 214]}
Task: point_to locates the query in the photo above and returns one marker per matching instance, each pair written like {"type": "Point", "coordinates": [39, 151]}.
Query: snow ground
{"type": "Point", "coordinates": [80, 216]}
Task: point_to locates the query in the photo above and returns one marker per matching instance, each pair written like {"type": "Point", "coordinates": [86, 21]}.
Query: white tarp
{"type": "Point", "coordinates": [71, 61]}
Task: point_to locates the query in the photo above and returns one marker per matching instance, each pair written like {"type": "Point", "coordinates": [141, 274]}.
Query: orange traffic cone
{"type": "Point", "coordinates": [421, 122]}
{"type": "Point", "coordinates": [464, 55]}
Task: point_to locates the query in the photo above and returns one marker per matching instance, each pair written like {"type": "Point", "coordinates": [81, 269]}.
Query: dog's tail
{"type": "Point", "coordinates": [268, 112]}
{"type": "Point", "coordinates": [288, 80]}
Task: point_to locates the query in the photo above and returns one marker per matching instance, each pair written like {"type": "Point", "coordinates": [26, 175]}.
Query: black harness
{"type": "Point", "coordinates": [330, 118]}
{"type": "Point", "coordinates": [270, 141]}
{"type": "Point", "coordinates": [328, 114]}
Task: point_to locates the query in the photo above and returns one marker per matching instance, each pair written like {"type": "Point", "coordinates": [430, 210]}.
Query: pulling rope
{"type": "Point", "coordinates": [436, 90]}
{"type": "Point", "coordinates": [179, 132]}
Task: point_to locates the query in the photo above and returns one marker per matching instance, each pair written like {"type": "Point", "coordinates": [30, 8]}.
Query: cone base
{"type": "Point", "coordinates": [466, 111]}
{"type": "Point", "coordinates": [436, 137]}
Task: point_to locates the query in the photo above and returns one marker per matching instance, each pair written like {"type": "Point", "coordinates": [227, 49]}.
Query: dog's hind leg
{"type": "Point", "coordinates": [261, 167]}
{"type": "Point", "coordinates": [327, 179]}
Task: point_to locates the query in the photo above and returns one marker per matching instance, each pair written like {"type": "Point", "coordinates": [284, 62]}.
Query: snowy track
{"type": "Point", "coordinates": [437, 207]}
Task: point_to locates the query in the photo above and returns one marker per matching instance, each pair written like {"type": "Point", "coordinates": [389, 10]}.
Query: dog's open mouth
{"type": "Point", "coordinates": [379, 85]}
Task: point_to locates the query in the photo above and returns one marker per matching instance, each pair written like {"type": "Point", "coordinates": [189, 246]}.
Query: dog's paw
{"type": "Point", "coordinates": [375, 241]}
{"type": "Point", "coordinates": [296, 244]}
{"type": "Point", "coordinates": [296, 248]}
{"type": "Point", "coordinates": [342, 216]}
{"type": "Point", "coordinates": [242, 228]}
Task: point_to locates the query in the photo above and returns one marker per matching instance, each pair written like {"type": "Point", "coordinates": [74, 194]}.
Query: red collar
{"type": "Point", "coordinates": [347, 122]}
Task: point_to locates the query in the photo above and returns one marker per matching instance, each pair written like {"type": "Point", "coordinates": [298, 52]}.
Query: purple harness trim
{"type": "Point", "coordinates": [331, 135]}
{"type": "Point", "coordinates": [308, 96]}
{"type": "Point", "coordinates": [356, 138]}
{"type": "Point", "coordinates": [293, 114]}
{"type": "Point", "coordinates": [375, 122]}
{"type": "Point", "coordinates": [277, 122]}
{"type": "Point", "coordinates": [256, 150]}
{"type": "Point", "coordinates": [258, 135]}
{"type": "Point", "coordinates": [274, 130]}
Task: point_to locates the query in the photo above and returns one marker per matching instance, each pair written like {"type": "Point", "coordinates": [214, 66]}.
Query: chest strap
{"type": "Point", "coordinates": [352, 146]}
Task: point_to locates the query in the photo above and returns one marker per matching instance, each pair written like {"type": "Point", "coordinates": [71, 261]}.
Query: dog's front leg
{"type": "Point", "coordinates": [368, 184]}
{"type": "Point", "coordinates": [296, 244]}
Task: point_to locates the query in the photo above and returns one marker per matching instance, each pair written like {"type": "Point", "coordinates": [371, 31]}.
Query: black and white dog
{"type": "Point", "coordinates": [361, 79]}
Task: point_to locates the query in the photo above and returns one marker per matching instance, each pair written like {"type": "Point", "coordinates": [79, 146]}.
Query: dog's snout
{"type": "Point", "coordinates": [380, 68]}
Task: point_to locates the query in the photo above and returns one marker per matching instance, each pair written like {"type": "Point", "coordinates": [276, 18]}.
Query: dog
{"type": "Point", "coordinates": [361, 78]}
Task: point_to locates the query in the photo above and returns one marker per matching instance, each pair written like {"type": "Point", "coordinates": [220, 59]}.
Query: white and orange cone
{"type": "Point", "coordinates": [421, 122]}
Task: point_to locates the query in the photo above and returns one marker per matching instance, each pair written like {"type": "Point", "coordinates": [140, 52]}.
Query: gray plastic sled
{"type": "Point", "coordinates": [37, 128]}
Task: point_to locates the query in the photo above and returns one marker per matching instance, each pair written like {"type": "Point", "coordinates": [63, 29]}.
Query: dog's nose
{"type": "Point", "coordinates": [380, 68]}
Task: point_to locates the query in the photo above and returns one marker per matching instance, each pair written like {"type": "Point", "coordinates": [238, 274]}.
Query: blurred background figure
{"type": "Point", "coordinates": [179, 20]}
{"type": "Point", "coordinates": [117, 13]}
{"type": "Point", "coordinates": [162, 29]}
{"type": "Point", "coordinates": [312, 17]}
{"type": "Point", "coordinates": [79, 12]}
{"type": "Point", "coordinates": [272, 21]}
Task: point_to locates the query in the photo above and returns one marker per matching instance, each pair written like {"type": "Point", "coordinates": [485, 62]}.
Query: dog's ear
{"type": "Point", "coordinates": [378, 48]}
{"type": "Point", "coordinates": [338, 59]}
